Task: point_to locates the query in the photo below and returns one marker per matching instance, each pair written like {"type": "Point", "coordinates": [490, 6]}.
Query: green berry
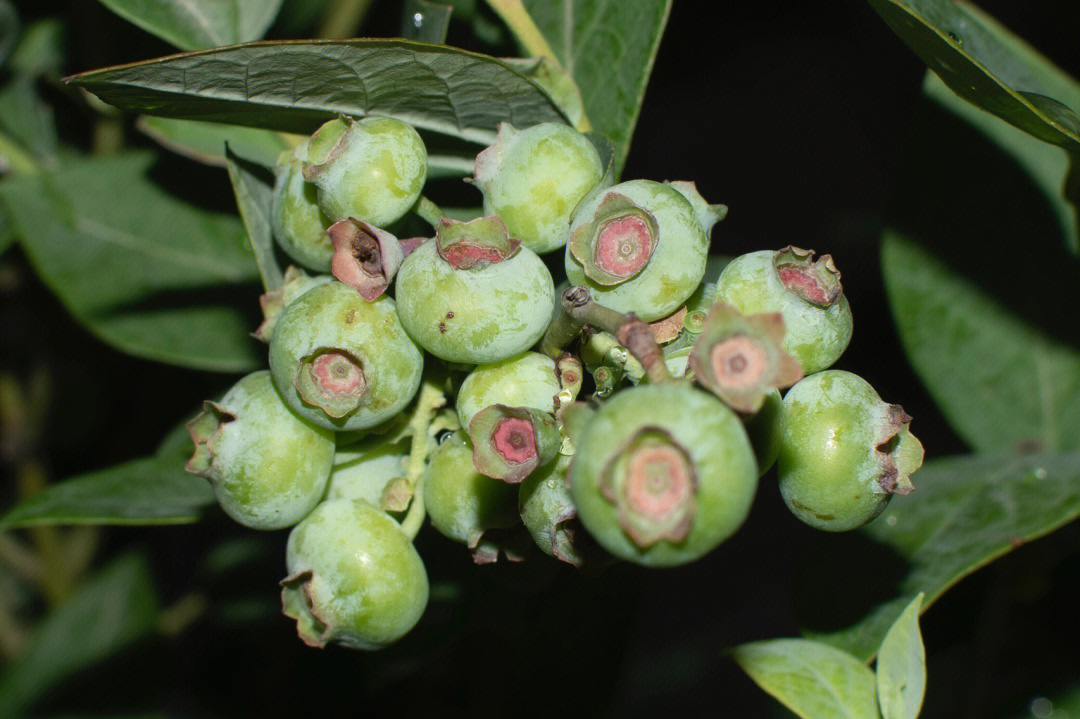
{"type": "Point", "coordinates": [298, 223]}
{"type": "Point", "coordinates": [765, 429]}
{"type": "Point", "coordinates": [461, 503]}
{"type": "Point", "coordinates": [662, 474]}
{"type": "Point", "coordinates": [268, 467]}
{"type": "Point", "coordinates": [534, 178]}
{"type": "Point", "coordinates": [367, 470]}
{"type": "Point", "coordinates": [297, 282]}
{"type": "Point", "coordinates": [527, 380]}
{"type": "Point", "coordinates": [843, 451]}
{"type": "Point", "coordinates": [342, 362]}
{"type": "Point", "coordinates": [372, 170]}
{"type": "Point", "coordinates": [473, 295]}
{"type": "Point", "coordinates": [354, 577]}
{"type": "Point", "coordinates": [807, 293]}
{"type": "Point", "coordinates": [639, 247]}
{"type": "Point", "coordinates": [548, 512]}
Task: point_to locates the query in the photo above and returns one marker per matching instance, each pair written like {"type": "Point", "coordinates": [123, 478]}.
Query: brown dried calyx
{"type": "Point", "coordinates": [365, 257]}
{"type": "Point", "coordinates": [816, 281]}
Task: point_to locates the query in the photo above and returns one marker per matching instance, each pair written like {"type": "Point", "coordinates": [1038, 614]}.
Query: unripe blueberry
{"type": "Point", "coordinates": [372, 170]}
{"type": "Point", "coordinates": [662, 474]}
{"type": "Point", "coordinates": [297, 282]}
{"type": "Point", "coordinates": [268, 467]}
{"type": "Point", "coordinates": [354, 577]}
{"type": "Point", "coordinates": [639, 247]}
{"type": "Point", "coordinates": [474, 295]}
{"type": "Point", "coordinates": [461, 503]}
{"type": "Point", "coordinates": [534, 178]}
{"type": "Point", "coordinates": [342, 362]}
{"type": "Point", "coordinates": [367, 470]}
{"type": "Point", "coordinates": [806, 292]}
{"type": "Point", "coordinates": [549, 514]}
{"type": "Point", "coordinates": [298, 223]}
{"type": "Point", "coordinates": [740, 358]}
{"type": "Point", "coordinates": [843, 452]}
{"type": "Point", "coordinates": [765, 429]}
{"type": "Point", "coordinates": [527, 380]}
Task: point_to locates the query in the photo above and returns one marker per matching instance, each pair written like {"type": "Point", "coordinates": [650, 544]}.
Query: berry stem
{"type": "Point", "coordinates": [430, 398]}
{"type": "Point", "coordinates": [566, 328]}
{"type": "Point", "coordinates": [429, 212]}
{"type": "Point", "coordinates": [630, 331]}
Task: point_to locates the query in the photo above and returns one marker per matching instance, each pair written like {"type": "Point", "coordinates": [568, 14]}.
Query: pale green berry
{"type": "Point", "coordinates": [367, 470]}
{"type": "Point", "coordinates": [533, 179]}
{"type": "Point", "coordinates": [662, 474]}
{"type": "Point", "coordinates": [354, 577]}
{"type": "Point", "coordinates": [474, 296]}
{"type": "Point", "coordinates": [843, 451]}
{"type": "Point", "coordinates": [268, 467]}
{"type": "Point", "coordinates": [548, 512]}
{"type": "Point", "coordinates": [298, 223]}
{"type": "Point", "coordinates": [372, 170]}
{"type": "Point", "coordinates": [527, 380]}
{"type": "Point", "coordinates": [639, 247]}
{"type": "Point", "coordinates": [806, 292]}
{"type": "Point", "coordinates": [461, 503]}
{"type": "Point", "coordinates": [342, 362]}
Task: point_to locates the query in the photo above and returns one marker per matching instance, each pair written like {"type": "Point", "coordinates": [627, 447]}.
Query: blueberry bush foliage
{"type": "Point", "coordinates": [409, 314]}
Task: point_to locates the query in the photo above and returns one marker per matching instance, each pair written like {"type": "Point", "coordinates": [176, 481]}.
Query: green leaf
{"type": "Point", "coordinates": [986, 65]}
{"type": "Point", "coordinates": [205, 141]}
{"type": "Point", "coordinates": [196, 24]}
{"type": "Point", "coordinates": [40, 52]}
{"type": "Point", "coordinates": [999, 382]}
{"type": "Point", "coordinates": [148, 491]}
{"type": "Point", "coordinates": [980, 67]}
{"type": "Point", "coordinates": [426, 21]}
{"type": "Point", "coordinates": [901, 666]}
{"type": "Point", "coordinates": [296, 86]}
{"type": "Point", "coordinates": [27, 119]}
{"type": "Point", "coordinates": [135, 265]}
{"type": "Point", "coordinates": [9, 29]}
{"type": "Point", "coordinates": [813, 680]}
{"type": "Point", "coordinates": [1048, 165]}
{"type": "Point", "coordinates": [609, 49]}
{"type": "Point", "coordinates": [254, 189]}
{"type": "Point", "coordinates": [113, 609]}
{"type": "Point", "coordinates": [964, 513]}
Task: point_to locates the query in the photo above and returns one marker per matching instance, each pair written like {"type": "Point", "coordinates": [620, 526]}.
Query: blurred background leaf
{"type": "Point", "coordinates": [144, 274]}
{"type": "Point", "coordinates": [198, 24]}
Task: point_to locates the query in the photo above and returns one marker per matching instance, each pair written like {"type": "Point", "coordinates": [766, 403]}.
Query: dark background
{"type": "Point", "coordinates": [806, 119]}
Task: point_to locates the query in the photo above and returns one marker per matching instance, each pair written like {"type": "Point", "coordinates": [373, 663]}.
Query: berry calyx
{"type": "Point", "coordinates": [365, 257]}
{"type": "Point", "coordinates": [474, 244]}
{"type": "Point", "coordinates": [617, 243]}
{"type": "Point", "coordinates": [816, 281]}
{"type": "Point", "coordinates": [510, 442]}
{"type": "Point", "coordinates": [740, 358]}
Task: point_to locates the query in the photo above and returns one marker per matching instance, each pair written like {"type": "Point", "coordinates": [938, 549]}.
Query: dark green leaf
{"type": "Point", "coordinates": [964, 513]}
{"type": "Point", "coordinates": [9, 29]}
{"type": "Point", "coordinates": [426, 21]}
{"type": "Point", "coordinates": [999, 382]}
{"type": "Point", "coordinates": [253, 186]}
{"type": "Point", "coordinates": [24, 117]}
{"type": "Point", "coordinates": [813, 680]}
{"type": "Point", "coordinates": [205, 141]}
{"type": "Point", "coordinates": [134, 264]}
{"type": "Point", "coordinates": [152, 490]}
{"type": "Point", "coordinates": [901, 666]}
{"type": "Point", "coordinates": [116, 607]}
{"type": "Point", "coordinates": [196, 24]}
{"type": "Point", "coordinates": [609, 49]}
{"type": "Point", "coordinates": [979, 67]}
{"type": "Point", "coordinates": [7, 231]}
{"type": "Point", "coordinates": [988, 66]}
{"type": "Point", "coordinates": [40, 52]}
{"type": "Point", "coordinates": [295, 86]}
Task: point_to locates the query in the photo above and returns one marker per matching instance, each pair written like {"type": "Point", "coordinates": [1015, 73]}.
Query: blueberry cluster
{"type": "Point", "coordinates": [439, 378]}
